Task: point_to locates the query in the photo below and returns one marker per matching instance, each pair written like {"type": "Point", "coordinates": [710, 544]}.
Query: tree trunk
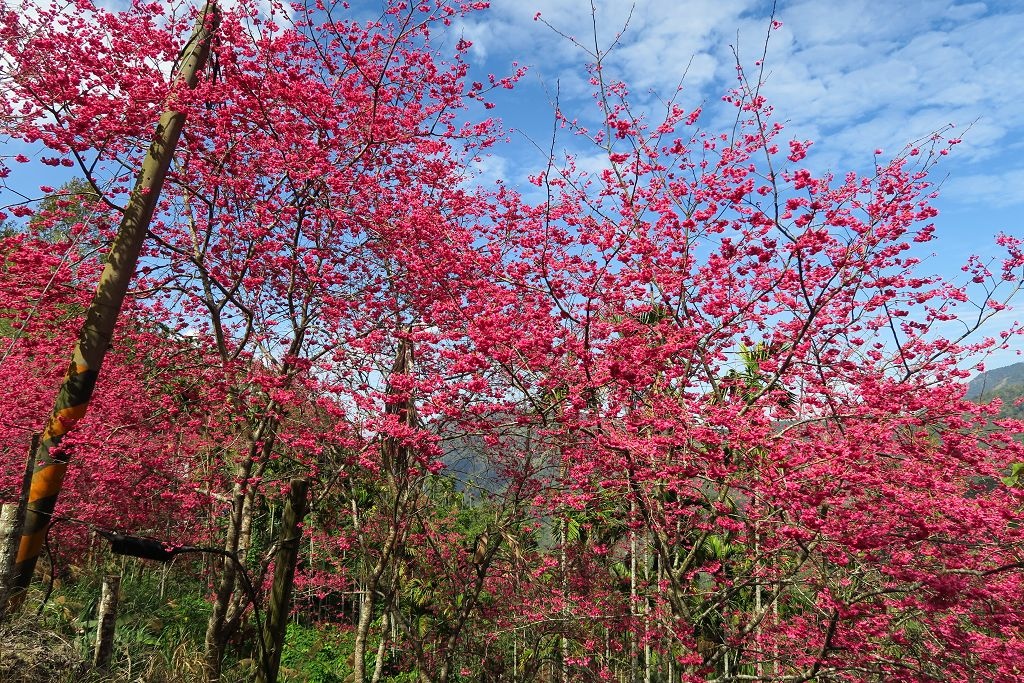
{"type": "Point", "coordinates": [229, 605]}
{"type": "Point", "coordinates": [50, 463]}
{"type": "Point", "coordinates": [378, 666]}
{"type": "Point", "coordinates": [396, 460]}
{"type": "Point", "coordinates": [633, 653]}
{"type": "Point", "coordinates": [289, 538]}
{"type": "Point", "coordinates": [9, 536]}
{"type": "Point", "coordinates": [367, 605]}
{"type": "Point", "coordinates": [217, 627]}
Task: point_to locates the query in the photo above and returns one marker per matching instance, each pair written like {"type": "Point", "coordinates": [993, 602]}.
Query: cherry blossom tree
{"type": "Point", "coordinates": [717, 414]}
{"type": "Point", "coordinates": [353, 130]}
{"type": "Point", "coordinates": [753, 376]}
{"type": "Point", "coordinates": [143, 435]}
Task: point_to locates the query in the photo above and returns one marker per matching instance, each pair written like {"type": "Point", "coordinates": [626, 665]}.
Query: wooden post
{"type": "Point", "coordinates": [288, 541]}
{"type": "Point", "coordinates": [9, 535]}
{"type": "Point", "coordinates": [12, 521]}
{"type": "Point", "coordinates": [107, 620]}
{"type": "Point", "coordinates": [50, 462]}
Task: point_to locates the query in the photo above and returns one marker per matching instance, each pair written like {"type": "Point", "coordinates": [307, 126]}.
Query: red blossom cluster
{"type": "Point", "coordinates": [699, 412]}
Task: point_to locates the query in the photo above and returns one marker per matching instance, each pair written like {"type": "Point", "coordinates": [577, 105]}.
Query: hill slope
{"type": "Point", "coordinates": [986, 385]}
{"type": "Point", "coordinates": [1006, 384]}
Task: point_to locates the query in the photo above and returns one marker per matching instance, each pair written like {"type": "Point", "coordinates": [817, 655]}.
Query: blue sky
{"type": "Point", "coordinates": [852, 75]}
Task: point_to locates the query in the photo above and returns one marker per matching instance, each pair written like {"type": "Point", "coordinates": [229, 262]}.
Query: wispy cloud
{"type": "Point", "coordinates": [999, 189]}
{"type": "Point", "coordinates": [852, 75]}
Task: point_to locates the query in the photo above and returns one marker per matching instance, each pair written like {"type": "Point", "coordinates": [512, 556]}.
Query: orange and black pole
{"type": "Point", "coordinates": [50, 461]}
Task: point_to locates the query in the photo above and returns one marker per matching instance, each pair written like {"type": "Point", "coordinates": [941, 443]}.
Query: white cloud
{"type": "Point", "coordinates": [489, 170]}
{"type": "Point", "coordinates": [853, 75]}
{"type": "Point", "coordinates": [998, 189]}
{"type": "Point", "coordinates": [899, 69]}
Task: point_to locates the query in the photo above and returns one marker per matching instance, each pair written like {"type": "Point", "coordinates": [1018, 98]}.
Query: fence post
{"type": "Point", "coordinates": [107, 620]}
{"type": "Point", "coordinates": [9, 537]}
{"type": "Point", "coordinates": [12, 521]}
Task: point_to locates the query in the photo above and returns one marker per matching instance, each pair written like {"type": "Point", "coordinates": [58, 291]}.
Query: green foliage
{"type": "Point", "coordinates": [1014, 478]}
{"type": "Point", "coordinates": [156, 611]}
{"type": "Point", "coordinates": [600, 523]}
{"type": "Point", "coordinates": [748, 383]}
{"type": "Point", "coordinates": [316, 654]}
{"type": "Point", "coordinates": [1010, 396]}
{"type": "Point", "coordinates": [162, 615]}
{"type": "Point", "coordinates": [72, 204]}
{"type": "Point", "coordinates": [323, 654]}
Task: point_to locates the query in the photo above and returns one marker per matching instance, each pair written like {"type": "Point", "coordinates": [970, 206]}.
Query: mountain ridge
{"type": "Point", "coordinates": [990, 382]}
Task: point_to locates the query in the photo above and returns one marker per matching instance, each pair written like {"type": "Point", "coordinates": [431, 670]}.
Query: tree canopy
{"type": "Point", "coordinates": [695, 416]}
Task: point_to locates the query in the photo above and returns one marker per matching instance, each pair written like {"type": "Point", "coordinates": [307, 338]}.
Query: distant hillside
{"type": "Point", "coordinates": [991, 382]}
{"type": "Point", "coordinates": [1006, 384]}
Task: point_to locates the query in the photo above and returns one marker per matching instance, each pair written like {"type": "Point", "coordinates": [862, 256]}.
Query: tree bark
{"type": "Point", "coordinates": [50, 463]}
{"type": "Point", "coordinates": [378, 665]}
{"type": "Point", "coordinates": [9, 535]}
{"type": "Point", "coordinates": [289, 538]}
{"type": "Point", "coordinates": [223, 617]}
{"type": "Point", "coordinates": [369, 602]}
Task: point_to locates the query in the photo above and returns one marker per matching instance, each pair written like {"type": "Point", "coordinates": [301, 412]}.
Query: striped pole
{"type": "Point", "coordinates": [51, 462]}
